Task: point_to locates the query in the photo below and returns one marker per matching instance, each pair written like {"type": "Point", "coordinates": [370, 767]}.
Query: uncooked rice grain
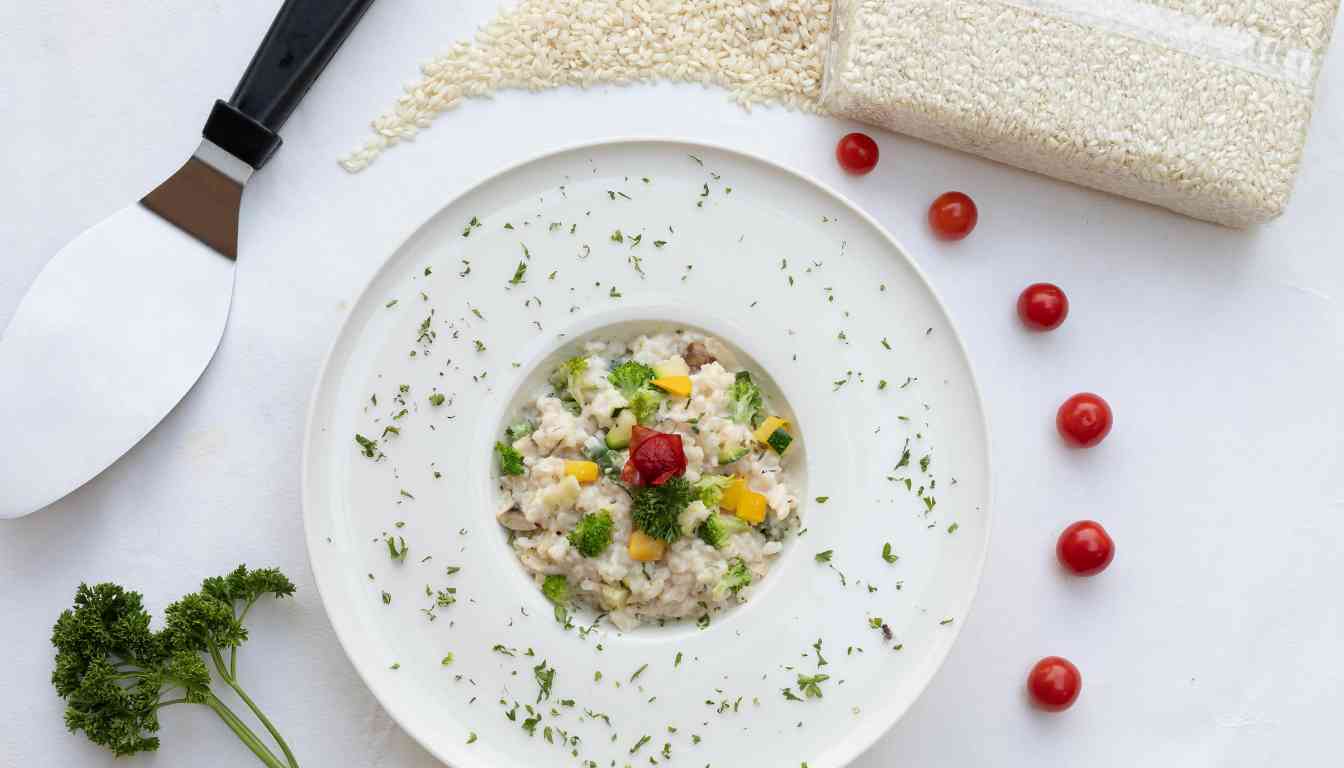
{"type": "Point", "coordinates": [762, 51]}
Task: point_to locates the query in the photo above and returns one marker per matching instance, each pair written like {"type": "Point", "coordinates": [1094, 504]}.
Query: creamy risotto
{"type": "Point", "coordinates": [648, 480]}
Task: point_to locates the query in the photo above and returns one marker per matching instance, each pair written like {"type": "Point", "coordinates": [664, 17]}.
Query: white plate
{"type": "Point", "coordinates": [847, 275]}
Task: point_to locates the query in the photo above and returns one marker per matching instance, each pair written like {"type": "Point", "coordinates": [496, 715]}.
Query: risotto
{"type": "Point", "coordinates": [648, 480]}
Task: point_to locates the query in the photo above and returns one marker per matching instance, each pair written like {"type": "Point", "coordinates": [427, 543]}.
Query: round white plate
{"type": "Point", "coordinates": [809, 288]}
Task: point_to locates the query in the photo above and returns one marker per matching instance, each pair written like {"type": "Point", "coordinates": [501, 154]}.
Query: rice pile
{"type": "Point", "coordinates": [763, 51]}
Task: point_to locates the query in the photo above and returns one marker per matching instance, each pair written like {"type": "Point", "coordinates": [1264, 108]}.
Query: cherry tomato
{"type": "Point", "coordinates": [1054, 683]}
{"type": "Point", "coordinates": [857, 153]}
{"type": "Point", "coordinates": [659, 458]}
{"type": "Point", "coordinates": [1085, 548]}
{"type": "Point", "coordinates": [1042, 306]}
{"type": "Point", "coordinates": [953, 215]}
{"type": "Point", "coordinates": [1084, 420]}
{"type": "Point", "coordinates": [638, 434]}
{"type": "Point", "coordinates": [630, 475]}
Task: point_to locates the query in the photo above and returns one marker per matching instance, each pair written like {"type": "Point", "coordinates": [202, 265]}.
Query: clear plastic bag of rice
{"type": "Point", "coordinates": [1199, 107]}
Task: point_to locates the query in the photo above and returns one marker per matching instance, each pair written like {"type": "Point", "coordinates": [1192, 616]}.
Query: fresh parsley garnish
{"type": "Point", "coordinates": [545, 677]}
{"type": "Point", "coordinates": [810, 685]}
{"type": "Point", "coordinates": [368, 447]}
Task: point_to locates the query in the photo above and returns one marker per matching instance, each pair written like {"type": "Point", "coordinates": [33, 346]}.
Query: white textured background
{"type": "Point", "coordinates": [1214, 639]}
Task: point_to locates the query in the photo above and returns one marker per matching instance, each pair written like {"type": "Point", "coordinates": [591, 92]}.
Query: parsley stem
{"type": "Point", "coordinates": [265, 721]}
{"type": "Point", "coordinates": [218, 658]}
{"type": "Point", "coordinates": [233, 650]}
{"type": "Point", "coordinates": [171, 702]}
{"type": "Point", "coordinates": [244, 733]}
{"type": "Point", "coordinates": [133, 675]}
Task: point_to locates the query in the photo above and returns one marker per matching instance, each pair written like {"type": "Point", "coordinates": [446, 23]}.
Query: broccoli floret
{"type": "Point", "coordinates": [630, 377]}
{"type": "Point", "coordinates": [716, 530]}
{"type": "Point", "coordinates": [656, 510]}
{"type": "Point", "coordinates": [567, 378]}
{"type": "Point", "coordinates": [115, 673]}
{"type": "Point", "coordinates": [746, 397]}
{"type": "Point", "coordinates": [709, 489]}
{"type": "Point", "coordinates": [565, 373]}
{"type": "Point", "coordinates": [734, 579]}
{"type": "Point", "coordinates": [556, 589]}
{"type": "Point", "coordinates": [518, 431]}
{"type": "Point", "coordinates": [510, 460]}
{"type": "Point", "coordinates": [592, 535]}
{"type": "Point", "coordinates": [644, 404]}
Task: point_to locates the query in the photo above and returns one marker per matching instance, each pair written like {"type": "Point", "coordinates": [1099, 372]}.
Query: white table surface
{"type": "Point", "coordinates": [1214, 639]}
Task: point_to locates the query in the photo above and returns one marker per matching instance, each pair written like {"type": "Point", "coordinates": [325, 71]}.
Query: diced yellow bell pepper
{"type": "Point", "coordinates": [768, 427]}
{"type": "Point", "coordinates": [733, 493]}
{"type": "Point", "coordinates": [679, 386]}
{"type": "Point", "coordinates": [751, 507]}
{"type": "Point", "coordinates": [645, 548]}
{"type": "Point", "coordinates": [583, 471]}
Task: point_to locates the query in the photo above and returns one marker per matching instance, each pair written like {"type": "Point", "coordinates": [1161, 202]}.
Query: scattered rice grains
{"type": "Point", "coordinates": [763, 51]}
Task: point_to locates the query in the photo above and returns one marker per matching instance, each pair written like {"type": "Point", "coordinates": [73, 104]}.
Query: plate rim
{"type": "Point", "coordinates": [874, 728]}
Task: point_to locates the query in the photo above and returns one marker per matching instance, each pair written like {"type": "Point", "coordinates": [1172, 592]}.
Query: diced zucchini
{"type": "Point", "coordinates": [618, 437]}
{"type": "Point", "coordinates": [768, 427]}
{"type": "Point", "coordinates": [604, 457]}
{"type": "Point", "coordinates": [731, 451]}
{"type": "Point", "coordinates": [779, 441]}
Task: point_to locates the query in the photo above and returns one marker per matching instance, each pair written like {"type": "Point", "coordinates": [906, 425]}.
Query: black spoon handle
{"type": "Point", "coordinates": [300, 42]}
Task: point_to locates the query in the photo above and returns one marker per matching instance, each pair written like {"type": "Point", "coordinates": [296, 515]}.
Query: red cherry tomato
{"type": "Point", "coordinates": [857, 153]}
{"type": "Point", "coordinates": [659, 458]}
{"type": "Point", "coordinates": [1054, 683]}
{"type": "Point", "coordinates": [1084, 420]}
{"type": "Point", "coordinates": [1042, 306]}
{"type": "Point", "coordinates": [638, 434]}
{"type": "Point", "coordinates": [953, 215]}
{"type": "Point", "coordinates": [630, 475]}
{"type": "Point", "coordinates": [1085, 548]}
